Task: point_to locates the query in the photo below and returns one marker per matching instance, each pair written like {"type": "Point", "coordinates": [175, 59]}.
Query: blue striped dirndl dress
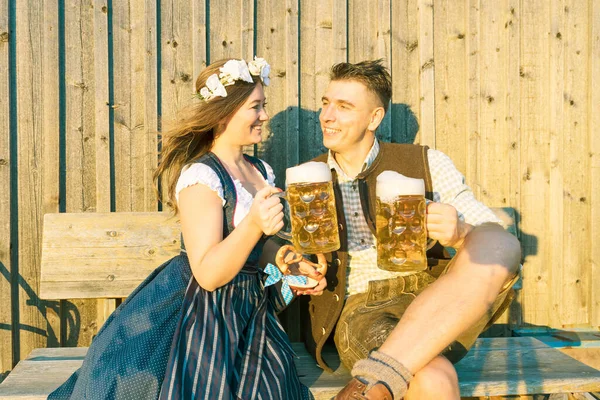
{"type": "Point", "coordinates": [229, 344]}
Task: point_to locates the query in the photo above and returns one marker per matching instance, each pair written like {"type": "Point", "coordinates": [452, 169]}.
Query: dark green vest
{"type": "Point", "coordinates": [324, 311]}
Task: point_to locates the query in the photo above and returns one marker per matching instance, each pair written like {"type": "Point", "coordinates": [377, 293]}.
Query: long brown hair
{"type": "Point", "coordinates": [193, 134]}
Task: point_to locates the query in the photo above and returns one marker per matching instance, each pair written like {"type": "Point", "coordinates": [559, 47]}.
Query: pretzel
{"type": "Point", "coordinates": [320, 266]}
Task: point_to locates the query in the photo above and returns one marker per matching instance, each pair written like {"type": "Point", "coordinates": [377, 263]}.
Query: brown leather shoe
{"type": "Point", "coordinates": [356, 390]}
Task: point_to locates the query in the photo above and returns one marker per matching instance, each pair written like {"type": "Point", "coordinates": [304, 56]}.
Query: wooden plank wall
{"type": "Point", "coordinates": [5, 198]}
{"type": "Point", "coordinates": [509, 90]}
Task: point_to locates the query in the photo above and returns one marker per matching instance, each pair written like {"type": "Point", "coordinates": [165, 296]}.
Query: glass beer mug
{"type": "Point", "coordinates": [311, 209]}
{"type": "Point", "coordinates": [400, 222]}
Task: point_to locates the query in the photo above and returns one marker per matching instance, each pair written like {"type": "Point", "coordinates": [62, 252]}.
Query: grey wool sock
{"type": "Point", "coordinates": [380, 367]}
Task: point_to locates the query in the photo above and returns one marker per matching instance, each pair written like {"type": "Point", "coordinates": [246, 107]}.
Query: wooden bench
{"type": "Point", "coordinates": [94, 255]}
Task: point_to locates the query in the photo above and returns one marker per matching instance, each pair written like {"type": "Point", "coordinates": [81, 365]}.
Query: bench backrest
{"type": "Point", "coordinates": [103, 255]}
{"type": "Point", "coordinates": [107, 255]}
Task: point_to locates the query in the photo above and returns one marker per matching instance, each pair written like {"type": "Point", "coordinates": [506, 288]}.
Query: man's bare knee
{"type": "Point", "coordinates": [490, 245]}
{"type": "Point", "coordinates": [437, 380]}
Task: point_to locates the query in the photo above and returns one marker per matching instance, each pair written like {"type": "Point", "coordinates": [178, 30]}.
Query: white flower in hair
{"type": "Point", "coordinates": [231, 71]}
{"type": "Point", "coordinates": [213, 88]}
{"type": "Point", "coordinates": [260, 67]}
{"type": "Point", "coordinates": [234, 70]}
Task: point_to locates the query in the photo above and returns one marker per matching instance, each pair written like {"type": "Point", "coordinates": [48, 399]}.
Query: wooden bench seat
{"type": "Point", "coordinates": [95, 255]}
{"type": "Point", "coordinates": [495, 366]}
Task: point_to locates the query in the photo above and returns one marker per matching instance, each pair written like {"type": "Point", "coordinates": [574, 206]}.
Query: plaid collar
{"type": "Point", "coordinates": [367, 163]}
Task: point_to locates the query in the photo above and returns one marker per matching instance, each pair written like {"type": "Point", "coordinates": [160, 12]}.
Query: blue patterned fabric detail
{"type": "Point", "coordinates": [275, 276]}
{"type": "Point", "coordinates": [128, 357]}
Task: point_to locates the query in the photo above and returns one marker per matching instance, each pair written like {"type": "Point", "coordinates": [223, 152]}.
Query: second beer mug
{"type": "Point", "coordinates": [309, 192]}
{"type": "Point", "coordinates": [401, 232]}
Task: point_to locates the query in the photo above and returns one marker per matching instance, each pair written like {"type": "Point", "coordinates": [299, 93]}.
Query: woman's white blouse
{"type": "Point", "coordinates": [199, 173]}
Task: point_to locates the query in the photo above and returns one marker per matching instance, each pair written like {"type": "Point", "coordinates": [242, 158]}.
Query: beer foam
{"type": "Point", "coordinates": [391, 184]}
{"type": "Point", "coordinates": [309, 172]}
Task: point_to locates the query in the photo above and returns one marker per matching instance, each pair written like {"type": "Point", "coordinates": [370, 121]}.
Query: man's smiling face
{"type": "Point", "coordinates": [348, 108]}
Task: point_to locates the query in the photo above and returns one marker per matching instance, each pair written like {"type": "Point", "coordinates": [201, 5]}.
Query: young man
{"type": "Point", "coordinates": [395, 328]}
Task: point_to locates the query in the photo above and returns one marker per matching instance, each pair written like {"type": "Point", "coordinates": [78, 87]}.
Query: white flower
{"type": "Point", "coordinates": [204, 93]}
{"type": "Point", "coordinates": [260, 67]}
{"type": "Point", "coordinates": [214, 87]}
{"type": "Point", "coordinates": [245, 73]}
{"type": "Point", "coordinates": [231, 71]}
{"type": "Point", "coordinates": [234, 70]}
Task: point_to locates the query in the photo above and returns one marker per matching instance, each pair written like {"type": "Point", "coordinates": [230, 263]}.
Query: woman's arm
{"type": "Point", "coordinates": [215, 261]}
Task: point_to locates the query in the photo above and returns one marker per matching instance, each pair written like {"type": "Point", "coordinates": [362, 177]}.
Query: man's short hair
{"type": "Point", "coordinates": [373, 74]}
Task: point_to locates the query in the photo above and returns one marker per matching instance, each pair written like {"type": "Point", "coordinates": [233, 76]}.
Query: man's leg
{"type": "Point", "coordinates": [437, 380]}
{"type": "Point", "coordinates": [459, 302]}
{"type": "Point", "coordinates": [456, 300]}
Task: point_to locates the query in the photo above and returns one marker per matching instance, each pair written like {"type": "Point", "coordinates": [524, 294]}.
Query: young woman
{"type": "Point", "coordinates": [203, 325]}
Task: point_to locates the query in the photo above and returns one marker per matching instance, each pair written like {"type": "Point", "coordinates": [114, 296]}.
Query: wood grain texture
{"type": "Point", "coordinates": [135, 113]}
{"type": "Point", "coordinates": [101, 130]}
{"type": "Point", "coordinates": [323, 35]}
{"type": "Point", "coordinates": [500, 366]}
{"type": "Point", "coordinates": [236, 39]}
{"type": "Point", "coordinates": [595, 159]}
{"type": "Point", "coordinates": [474, 89]}
{"type": "Point", "coordinates": [575, 267]}
{"type": "Point", "coordinates": [427, 73]}
{"type": "Point", "coordinates": [535, 169]}
{"type": "Point", "coordinates": [405, 69]}
{"type": "Point", "coordinates": [450, 52]}
{"type": "Point", "coordinates": [369, 38]}
{"type": "Point", "coordinates": [5, 193]}
{"type": "Point", "coordinates": [232, 29]}
{"type": "Point", "coordinates": [91, 255]}
{"type": "Point", "coordinates": [180, 53]}
{"type": "Point", "coordinates": [277, 42]}
{"type": "Point", "coordinates": [32, 164]}
{"type": "Point", "coordinates": [81, 143]}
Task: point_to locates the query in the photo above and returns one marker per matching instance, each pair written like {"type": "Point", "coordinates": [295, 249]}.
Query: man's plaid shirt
{"type": "Point", "coordinates": [448, 187]}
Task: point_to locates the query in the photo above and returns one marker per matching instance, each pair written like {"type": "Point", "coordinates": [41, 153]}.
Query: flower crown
{"type": "Point", "coordinates": [234, 70]}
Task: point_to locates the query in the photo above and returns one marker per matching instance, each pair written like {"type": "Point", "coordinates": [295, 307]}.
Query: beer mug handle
{"type": "Point", "coordinates": [430, 242]}
{"type": "Point", "coordinates": [286, 232]}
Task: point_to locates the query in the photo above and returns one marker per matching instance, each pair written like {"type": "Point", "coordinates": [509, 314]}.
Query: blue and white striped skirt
{"type": "Point", "coordinates": [229, 344]}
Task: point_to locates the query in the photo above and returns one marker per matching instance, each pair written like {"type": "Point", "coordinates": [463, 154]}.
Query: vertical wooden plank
{"type": "Point", "coordinates": [148, 148]}
{"type": "Point", "coordinates": [496, 137]}
{"type": "Point", "coordinates": [199, 37]}
{"type": "Point", "coordinates": [427, 74]}
{"type": "Point", "coordinates": [178, 19]}
{"type": "Point", "coordinates": [31, 166]}
{"type": "Point", "coordinates": [576, 262]}
{"type": "Point", "coordinates": [535, 136]}
{"type": "Point", "coordinates": [451, 74]}
{"type": "Point", "coordinates": [322, 44]}
{"type": "Point", "coordinates": [369, 38]}
{"type": "Point", "coordinates": [84, 147]}
{"type": "Point", "coordinates": [369, 30]}
{"type": "Point", "coordinates": [512, 26]}
{"type": "Point", "coordinates": [80, 107]}
{"type": "Point", "coordinates": [277, 42]}
{"type": "Point", "coordinates": [232, 29]}
{"type": "Point", "coordinates": [102, 129]}
{"type": "Point", "coordinates": [51, 152]}
{"type": "Point", "coordinates": [406, 110]}
{"type": "Point", "coordinates": [101, 105]}
{"type": "Point", "coordinates": [557, 168]}
{"type": "Point", "coordinates": [474, 66]}
{"type": "Point", "coordinates": [594, 160]}
{"type": "Point", "coordinates": [232, 33]}
{"type": "Point", "coordinates": [135, 108]}
{"type": "Point", "coordinates": [5, 192]}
